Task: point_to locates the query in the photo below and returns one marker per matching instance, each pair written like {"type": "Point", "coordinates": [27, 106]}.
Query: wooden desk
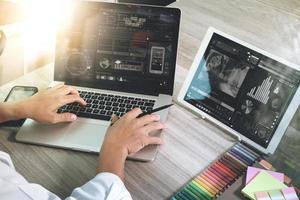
{"type": "Point", "coordinates": [190, 143]}
{"type": "Point", "coordinates": [62, 170]}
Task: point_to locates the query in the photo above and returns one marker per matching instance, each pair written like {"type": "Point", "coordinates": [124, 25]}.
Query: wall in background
{"type": "Point", "coordinates": [12, 58]}
{"type": "Point", "coordinates": [30, 29]}
{"type": "Point", "coordinates": [10, 12]}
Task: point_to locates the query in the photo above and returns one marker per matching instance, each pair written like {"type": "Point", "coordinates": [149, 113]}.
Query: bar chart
{"type": "Point", "coordinates": [261, 93]}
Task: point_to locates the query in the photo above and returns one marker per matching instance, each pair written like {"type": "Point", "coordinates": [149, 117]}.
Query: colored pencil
{"type": "Point", "coordinates": [198, 190]}
{"type": "Point", "coordinates": [237, 161]}
{"type": "Point", "coordinates": [205, 187]}
{"type": "Point", "coordinates": [204, 192]}
{"type": "Point", "coordinates": [242, 151]}
{"type": "Point", "coordinates": [239, 157]}
{"type": "Point", "coordinates": [216, 173]}
{"type": "Point", "coordinates": [219, 175]}
{"type": "Point", "coordinates": [251, 156]}
{"type": "Point", "coordinates": [208, 181]}
{"type": "Point", "coordinates": [242, 156]}
{"type": "Point", "coordinates": [248, 150]}
{"type": "Point", "coordinates": [230, 165]}
{"type": "Point", "coordinates": [200, 185]}
{"type": "Point", "coordinates": [190, 194]}
{"type": "Point", "coordinates": [213, 178]}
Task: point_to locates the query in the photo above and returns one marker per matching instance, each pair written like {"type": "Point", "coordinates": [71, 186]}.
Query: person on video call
{"type": "Point", "coordinates": [127, 135]}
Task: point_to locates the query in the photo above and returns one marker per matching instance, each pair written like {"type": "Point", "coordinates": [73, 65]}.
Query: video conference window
{"type": "Point", "coordinates": [245, 90]}
{"type": "Point", "coordinates": [107, 44]}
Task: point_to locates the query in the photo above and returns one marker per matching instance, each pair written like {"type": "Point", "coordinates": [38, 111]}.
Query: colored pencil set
{"type": "Point", "coordinates": [210, 183]}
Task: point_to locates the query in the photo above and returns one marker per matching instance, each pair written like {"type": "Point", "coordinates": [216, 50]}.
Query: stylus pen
{"type": "Point", "coordinates": [151, 111]}
{"type": "Point", "coordinates": [154, 110]}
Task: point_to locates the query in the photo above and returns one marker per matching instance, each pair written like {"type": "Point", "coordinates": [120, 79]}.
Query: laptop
{"type": "Point", "coordinates": [118, 56]}
{"type": "Point", "coordinates": [242, 89]}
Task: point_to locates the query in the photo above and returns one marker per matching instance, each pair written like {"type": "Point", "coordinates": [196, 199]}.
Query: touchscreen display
{"type": "Point", "coordinates": [120, 47]}
{"type": "Point", "coordinates": [245, 90]}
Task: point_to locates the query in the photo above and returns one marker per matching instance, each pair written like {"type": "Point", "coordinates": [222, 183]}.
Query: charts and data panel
{"type": "Point", "coordinates": [262, 92]}
{"type": "Point", "coordinates": [118, 46]}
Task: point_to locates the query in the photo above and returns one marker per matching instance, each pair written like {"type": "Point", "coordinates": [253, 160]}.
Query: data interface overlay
{"type": "Point", "coordinates": [119, 46]}
{"type": "Point", "coordinates": [242, 88]}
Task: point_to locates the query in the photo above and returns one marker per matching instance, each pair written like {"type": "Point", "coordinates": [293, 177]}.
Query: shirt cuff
{"type": "Point", "coordinates": [103, 186]}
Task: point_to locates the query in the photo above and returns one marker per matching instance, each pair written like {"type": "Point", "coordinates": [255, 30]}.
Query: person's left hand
{"type": "Point", "coordinates": [43, 106]}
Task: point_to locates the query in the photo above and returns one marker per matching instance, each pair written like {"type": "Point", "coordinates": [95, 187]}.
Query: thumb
{"type": "Point", "coordinates": [65, 117]}
{"type": "Point", "coordinates": [153, 140]}
{"type": "Point", "coordinates": [114, 118]}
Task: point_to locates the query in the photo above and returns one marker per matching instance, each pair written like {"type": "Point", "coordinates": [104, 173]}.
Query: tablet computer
{"type": "Point", "coordinates": [243, 89]}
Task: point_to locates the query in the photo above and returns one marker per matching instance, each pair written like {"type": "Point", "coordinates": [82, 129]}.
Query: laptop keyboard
{"type": "Point", "coordinates": [102, 106]}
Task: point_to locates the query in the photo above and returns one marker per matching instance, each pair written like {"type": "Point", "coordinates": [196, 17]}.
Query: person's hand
{"type": "Point", "coordinates": [127, 135]}
{"type": "Point", "coordinates": [133, 132]}
{"type": "Point", "coordinates": [43, 106]}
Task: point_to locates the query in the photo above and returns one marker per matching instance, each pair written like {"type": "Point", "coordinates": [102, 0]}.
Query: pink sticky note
{"type": "Point", "coordinates": [253, 171]}
{"type": "Point", "coordinates": [289, 193]}
{"type": "Point", "coordinates": [262, 196]}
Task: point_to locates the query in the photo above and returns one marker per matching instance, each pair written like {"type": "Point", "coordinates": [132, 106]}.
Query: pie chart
{"type": "Point", "coordinates": [247, 106]}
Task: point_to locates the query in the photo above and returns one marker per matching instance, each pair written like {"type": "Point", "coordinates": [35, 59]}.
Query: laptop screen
{"type": "Point", "coordinates": [243, 89]}
{"type": "Point", "coordinates": [121, 47]}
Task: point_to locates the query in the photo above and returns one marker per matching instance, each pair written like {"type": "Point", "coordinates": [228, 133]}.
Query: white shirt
{"type": "Point", "coordinates": [13, 186]}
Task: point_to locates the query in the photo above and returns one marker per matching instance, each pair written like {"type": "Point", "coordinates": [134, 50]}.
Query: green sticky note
{"type": "Point", "coordinates": [262, 182]}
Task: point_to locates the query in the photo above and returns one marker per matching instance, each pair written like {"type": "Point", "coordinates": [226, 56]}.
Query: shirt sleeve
{"type": "Point", "coordinates": [5, 158]}
{"type": "Point", "coordinates": [103, 186]}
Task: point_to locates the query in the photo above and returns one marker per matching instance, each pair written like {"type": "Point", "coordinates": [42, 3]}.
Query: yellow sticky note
{"type": "Point", "coordinates": [262, 182]}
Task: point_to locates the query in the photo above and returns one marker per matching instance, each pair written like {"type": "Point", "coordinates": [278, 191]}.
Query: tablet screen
{"type": "Point", "coordinates": [244, 89]}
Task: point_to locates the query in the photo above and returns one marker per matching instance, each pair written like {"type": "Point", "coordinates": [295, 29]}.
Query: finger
{"type": "Point", "coordinates": [59, 85]}
{"type": "Point", "coordinates": [147, 119]}
{"type": "Point", "coordinates": [133, 113]}
{"type": "Point", "coordinates": [152, 140]}
{"type": "Point", "coordinates": [152, 127]}
{"type": "Point", "coordinates": [71, 99]}
{"type": "Point", "coordinates": [64, 117]}
{"type": "Point", "coordinates": [114, 118]}
{"type": "Point", "coordinates": [66, 89]}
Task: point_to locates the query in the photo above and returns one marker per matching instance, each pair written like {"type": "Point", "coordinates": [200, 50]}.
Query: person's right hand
{"type": "Point", "coordinates": [131, 133]}
{"type": "Point", "coordinates": [127, 135]}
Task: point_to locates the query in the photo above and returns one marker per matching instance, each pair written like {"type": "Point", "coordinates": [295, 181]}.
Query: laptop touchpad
{"type": "Point", "coordinates": [86, 135]}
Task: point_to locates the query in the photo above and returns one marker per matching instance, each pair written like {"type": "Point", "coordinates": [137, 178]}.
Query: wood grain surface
{"type": "Point", "coordinates": [190, 142]}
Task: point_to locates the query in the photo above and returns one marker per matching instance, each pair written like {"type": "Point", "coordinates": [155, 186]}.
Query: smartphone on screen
{"type": "Point", "coordinates": [18, 93]}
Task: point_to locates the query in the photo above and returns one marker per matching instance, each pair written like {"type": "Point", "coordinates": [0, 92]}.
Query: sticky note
{"type": "Point", "coordinates": [262, 196]}
{"type": "Point", "coordinates": [262, 182]}
{"type": "Point", "coordinates": [276, 195]}
{"type": "Point", "coordinates": [289, 193]}
{"type": "Point", "coordinates": [253, 171]}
